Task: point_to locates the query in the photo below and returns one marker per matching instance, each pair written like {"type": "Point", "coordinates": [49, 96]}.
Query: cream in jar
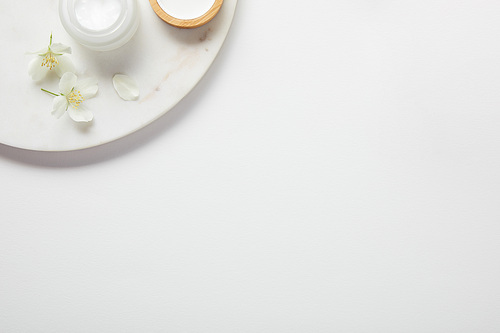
{"type": "Point", "coordinates": [100, 25]}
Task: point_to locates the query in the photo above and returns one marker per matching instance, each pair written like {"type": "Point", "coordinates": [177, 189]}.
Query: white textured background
{"type": "Point", "coordinates": [337, 170]}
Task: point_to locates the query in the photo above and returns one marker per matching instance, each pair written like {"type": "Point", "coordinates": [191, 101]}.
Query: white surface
{"type": "Point", "coordinates": [166, 61]}
{"type": "Point", "coordinates": [335, 174]}
{"type": "Point", "coordinates": [186, 9]}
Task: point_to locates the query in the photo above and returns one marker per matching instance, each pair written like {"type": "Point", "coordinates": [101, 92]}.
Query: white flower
{"type": "Point", "coordinates": [72, 95]}
{"type": "Point", "coordinates": [51, 58]}
{"type": "Point", "coordinates": [126, 87]}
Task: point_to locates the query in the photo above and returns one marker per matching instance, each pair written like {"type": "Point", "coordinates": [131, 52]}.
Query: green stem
{"type": "Point", "coordinates": [50, 92]}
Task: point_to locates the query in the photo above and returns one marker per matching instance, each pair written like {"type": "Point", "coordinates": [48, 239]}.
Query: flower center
{"type": "Point", "coordinates": [75, 98]}
{"type": "Point", "coordinates": [50, 61]}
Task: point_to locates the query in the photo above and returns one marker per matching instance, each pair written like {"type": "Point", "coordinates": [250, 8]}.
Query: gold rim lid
{"type": "Point", "coordinates": [187, 24]}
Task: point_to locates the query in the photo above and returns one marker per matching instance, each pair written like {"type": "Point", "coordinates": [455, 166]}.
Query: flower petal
{"type": "Point", "coordinates": [65, 65]}
{"type": "Point", "coordinates": [36, 70]}
{"type": "Point", "coordinates": [81, 115]}
{"type": "Point", "coordinates": [87, 87]}
{"type": "Point", "coordinates": [59, 48]}
{"type": "Point", "coordinates": [126, 87]}
{"type": "Point", "coordinates": [60, 105]}
{"type": "Point", "coordinates": [40, 52]}
{"type": "Point", "coordinates": [67, 83]}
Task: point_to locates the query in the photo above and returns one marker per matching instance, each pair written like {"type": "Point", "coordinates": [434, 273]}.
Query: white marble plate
{"type": "Point", "coordinates": [167, 63]}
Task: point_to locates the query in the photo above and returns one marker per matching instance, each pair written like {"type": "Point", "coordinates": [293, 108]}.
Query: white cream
{"type": "Point", "coordinates": [186, 9]}
{"type": "Point", "coordinates": [97, 15]}
{"type": "Point", "coordinates": [100, 24]}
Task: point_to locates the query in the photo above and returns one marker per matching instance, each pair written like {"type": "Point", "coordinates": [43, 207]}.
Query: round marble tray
{"type": "Point", "coordinates": [166, 62]}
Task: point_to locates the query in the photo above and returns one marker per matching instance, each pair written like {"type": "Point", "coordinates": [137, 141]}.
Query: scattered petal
{"type": "Point", "coordinates": [126, 87]}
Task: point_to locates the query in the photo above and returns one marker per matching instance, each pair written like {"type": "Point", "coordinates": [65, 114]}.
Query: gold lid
{"type": "Point", "coordinates": [187, 24]}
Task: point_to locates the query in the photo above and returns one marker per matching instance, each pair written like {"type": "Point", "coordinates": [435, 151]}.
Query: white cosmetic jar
{"type": "Point", "coordinates": [100, 25]}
